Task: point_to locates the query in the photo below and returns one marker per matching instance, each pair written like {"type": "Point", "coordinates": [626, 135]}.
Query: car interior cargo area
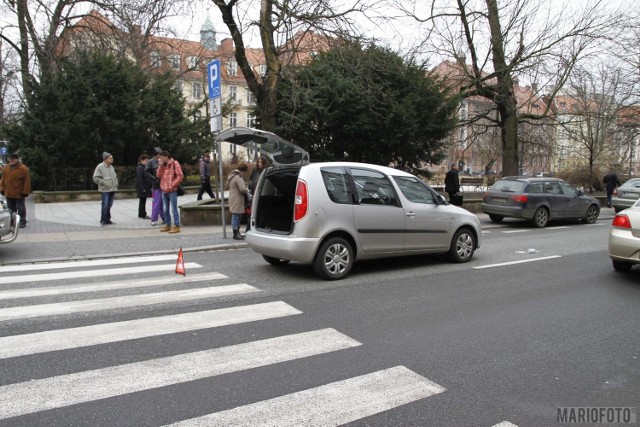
{"type": "Point", "coordinates": [275, 205]}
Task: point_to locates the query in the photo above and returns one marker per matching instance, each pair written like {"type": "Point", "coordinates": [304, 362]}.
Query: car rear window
{"type": "Point", "coordinates": [509, 186]}
{"type": "Point", "coordinates": [335, 181]}
{"type": "Point", "coordinates": [635, 182]}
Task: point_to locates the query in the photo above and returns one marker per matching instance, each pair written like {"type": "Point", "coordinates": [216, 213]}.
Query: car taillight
{"type": "Point", "coordinates": [615, 192]}
{"type": "Point", "coordinates": [301, 201]}
{"type": "Point", "coordinates": [522, 198]}
{"type": "Point", "coordinates": [621, 221]}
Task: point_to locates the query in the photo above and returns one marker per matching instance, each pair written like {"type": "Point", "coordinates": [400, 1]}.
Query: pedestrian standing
{"type": "Point", "coordinates": [452, 181]}
{"type": "Point", "coordinates": [156, 194]}
{"type": "Point", "coordinates": [107, 180]}
{"type": "Point", "coordinates": [237, 190]}
{"type": "Point", "coordinates": [143, 187]}
{"type": "Point", "coordinates": [205, 176]}
{"type": "Point", "coordinates": [15, 185]}
{"type": "Point", "coordinates": [611, 181]}
{"type": "Point", "coordinates": [171, 176]}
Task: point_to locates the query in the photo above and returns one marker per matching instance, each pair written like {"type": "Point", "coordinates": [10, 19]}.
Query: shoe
{"type": "Point", "coordinates": [165, 228]}
{"type": "Point", "coordinates": [109, 222]}
{"type": "Point", "coordinates": [145, 217]}
{"type": "Point", "coordinates": [237, 235]}
{"type": "Point", "coordinates": [23, 225]}
{"type": "Point", "coordinates": [174, 229]}
{"type": "Point", "coordinates": [154, 223]}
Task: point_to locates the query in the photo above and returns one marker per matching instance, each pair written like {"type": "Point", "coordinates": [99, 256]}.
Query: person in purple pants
{"type": "Point", "coordinates": [157, 210]}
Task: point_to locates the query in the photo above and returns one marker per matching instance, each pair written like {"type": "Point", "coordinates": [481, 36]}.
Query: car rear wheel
{"type": "Point", "coordinates": [541, 218]}
{"type": "Point", "coordinates": [623, 267]}
{"type": "Point", "coordinates": [275, 261]}
{"type": "Point", "coordinates": [334, 259]}
{"type": "Point", "coordinates": [496, 218]}
{"type": "Point", "coordinates": [591, 216]}
{"type": "Point", "coordinates": [463, 246]}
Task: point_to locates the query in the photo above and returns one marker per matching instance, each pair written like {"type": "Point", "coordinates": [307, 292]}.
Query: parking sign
{"type": "Point", "coordinates": [213, 78]}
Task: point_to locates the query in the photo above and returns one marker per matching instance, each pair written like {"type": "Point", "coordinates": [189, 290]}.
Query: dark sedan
{"type": "Point", "coordinates": [538, 200]}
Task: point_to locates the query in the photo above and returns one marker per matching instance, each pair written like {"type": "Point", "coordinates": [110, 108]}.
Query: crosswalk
{"type": "Point", "coordinates": [42, 294]}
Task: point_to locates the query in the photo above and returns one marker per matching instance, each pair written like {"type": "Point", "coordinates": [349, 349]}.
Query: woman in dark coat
{"type": "Point", "coordinates": [143, 187]}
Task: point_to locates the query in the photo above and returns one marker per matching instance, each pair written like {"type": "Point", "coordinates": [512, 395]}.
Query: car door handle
{"type": "Point", "coordinates": [411, 214]}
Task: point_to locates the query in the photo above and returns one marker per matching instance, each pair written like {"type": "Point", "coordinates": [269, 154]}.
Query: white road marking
{"type": "Point", "coordinates": [93, 273]}
{"type": "Point", "coordinates": [502, 264]}
{"type": "Point", "coordinates": [515, 231]}
{"type": "Point", "coordinates": [556, 228]}
{"type": "Point", "coordinates": [63, 339]}
{"type": "Point", "coordinates": [505, 424]}
{"type": "Point", "coordinates": [102, 304]}
{"type": "Point", "coordinates": [93, 287]}
{"type": "Point", "coordinates": [329, 405]}
{"type": "Point", "coordinates": [64, 390]}
{"type": "Point", "coordinates": [87, 263]}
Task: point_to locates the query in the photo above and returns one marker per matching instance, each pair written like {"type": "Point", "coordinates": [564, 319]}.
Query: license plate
{"type": "Point", "coordinates": [631, 195]}
{"type": "Point", "coordinates": [499, 200]}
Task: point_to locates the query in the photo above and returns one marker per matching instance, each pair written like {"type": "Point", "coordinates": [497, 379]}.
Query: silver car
{"type": "Point", "coordinates": [332, 214]}
{"type": "Point", "coordinates": [9, 222]}
{"type": "Point", "coordinates": [624, 239]}
{"type": "Point", "coordinates": [626, 195]}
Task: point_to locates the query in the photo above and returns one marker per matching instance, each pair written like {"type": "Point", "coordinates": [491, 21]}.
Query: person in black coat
{"type": "Point", "coordinates": [611, 181]}
{"type": "Point", "coordinates": [452, 181]}
{"type": "Point", "coordinates": [143, 186]}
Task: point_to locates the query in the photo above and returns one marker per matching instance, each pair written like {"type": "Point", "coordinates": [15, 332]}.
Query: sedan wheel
{"type": "Point", "coordinates": [591, 216]}
{"type": "Point", "coordinates": [334, 259]}
{"type": "Point", "coordinates": [541, 218]}
{"type": "Point", "coordinates": [275, 261]}
{"type": "Point", "coordinates": [622, 267]}
{"type": "Point", "coordinates": [463, 246]}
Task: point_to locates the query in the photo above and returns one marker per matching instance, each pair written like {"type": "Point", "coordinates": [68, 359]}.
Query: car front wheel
{"type": "Point", "coordinates": [463, 246]}
{"type": "Point", "coordinates": [541, 217]}
{"type": "Point", "coordinates": [275, 261]}
{"type": "Point", "coordinates": [591, 216]}
{"type": "Point", "coordinates": [334, 259]}
{"type": "Point", "coordinates": [623, 267]}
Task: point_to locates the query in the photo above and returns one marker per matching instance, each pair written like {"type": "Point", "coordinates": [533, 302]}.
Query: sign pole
{"type": "Point", "coordinates": [215, 111]}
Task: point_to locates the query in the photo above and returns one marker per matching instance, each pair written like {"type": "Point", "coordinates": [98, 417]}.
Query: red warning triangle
{"type": "Point", "coordinates": [180, 264]}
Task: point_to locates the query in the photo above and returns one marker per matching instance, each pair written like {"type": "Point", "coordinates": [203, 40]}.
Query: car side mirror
{"type": "Point", "coordinates": [441, 200]}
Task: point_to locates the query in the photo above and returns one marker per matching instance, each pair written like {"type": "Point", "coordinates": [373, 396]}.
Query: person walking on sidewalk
{"type": "Point", "coordinates": [452, 181]}
{"type": "Point", "coordinates": [15, 185]}
{"type": "Point", "coordinates": [237, 190]}
{"type": "Point", "coordinates": [107, 180]}
{"type": "Point", "coordinates": [143, 187]}
{"type": "Point", "coordinates": [156, 194]}
{"type": "Point", "coordinates": [170, 175]}
{"type": "Point", "coordinates": [611, 181]}
{"type": "Point", "coordinates": [205, 177]}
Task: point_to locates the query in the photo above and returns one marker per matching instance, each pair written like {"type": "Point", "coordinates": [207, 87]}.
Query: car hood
{"type": "Point", "coordinates": [279, 151]}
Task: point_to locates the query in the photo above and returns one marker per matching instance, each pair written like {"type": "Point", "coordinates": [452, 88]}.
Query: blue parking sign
{"type": "Point", "coordinates": [213, 78]}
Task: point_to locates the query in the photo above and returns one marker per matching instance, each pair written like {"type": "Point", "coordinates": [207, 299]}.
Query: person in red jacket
{"type": "Point", "coordinates": [170, 176]}
{"type": "Point", "coordinates": [15, 185]}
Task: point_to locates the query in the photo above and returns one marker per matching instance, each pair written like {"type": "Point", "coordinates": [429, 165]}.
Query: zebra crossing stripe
{"type": "Point", "coordinates": [63, 339]}
{"type": "Point", "coordinates": [328, 405]}
{"type": "Point", "coordinates": [92, 287]}
{"type": "Point", "coordinates": [102, 304]}
{"type": "Point", "coordinates": [65, 390]}
{"type": "Point", "coordinates": [93, 273]}
{"type": "Point", "coordinates": [87, 263]}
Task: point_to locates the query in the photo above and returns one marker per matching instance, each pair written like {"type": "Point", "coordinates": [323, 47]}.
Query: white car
{"type": "Point", "coordinates": [332, 214]}
{"type": "Point", "coordinates": [624, 238]}
{"type": "Point", "coordinates": [9, 222]}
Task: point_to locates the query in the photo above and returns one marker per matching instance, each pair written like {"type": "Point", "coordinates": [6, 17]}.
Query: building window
{"type": "Point", "coordinates": [174, 60]}
{"type": "Point", "coordinates": [178, 85]}
{"type": "Point", "coordinates": [155, 59]}
{"type": "Point", "coordinates": [232, 68]}
{"type": "Point", "coordinates": [262, 70]}
{"type": "Point", "coordinates": [197, 90]}
{"type": "Point", "coordinates": [193, 62]}
{"type": "Point", "coordinates": [250, 98]}
{"type": "Point", "coordinates": [197, 116]}
{"type": "Point", "coordinates": [233, 120]}
{"type": "Point", "coordinates": [233, 93]}
{"type": "Point", "coordinates": [251, 120]}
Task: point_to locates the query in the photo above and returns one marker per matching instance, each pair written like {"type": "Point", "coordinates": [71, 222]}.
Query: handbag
{"type": "Point", "coordinates": [180, 190]}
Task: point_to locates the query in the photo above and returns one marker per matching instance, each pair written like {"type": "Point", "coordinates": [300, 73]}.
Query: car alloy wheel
{"type": "Point", "coordinates": [591, 216]}
{"type": "Point", "coordinates": [334, 259]}
{"type": "Point", "coordinates": [462, 246]}
{"type": "Point", "coordinates": [541, 218]}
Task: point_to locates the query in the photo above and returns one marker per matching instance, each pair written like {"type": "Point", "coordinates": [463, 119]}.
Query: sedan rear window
{"type": "Point", "coordinates": [509, 186]}
{"type": "Point", "coordinates": [635, 182]}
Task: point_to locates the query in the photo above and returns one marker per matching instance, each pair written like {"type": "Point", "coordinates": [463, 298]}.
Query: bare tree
{"type": "Point", "coordinates": [281, 27]}
{"type": "Point", "coordinates": [510, 40]}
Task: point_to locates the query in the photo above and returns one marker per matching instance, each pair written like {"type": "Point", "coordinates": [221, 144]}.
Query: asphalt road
{"type": "Point", "coordinates": [536, 321]}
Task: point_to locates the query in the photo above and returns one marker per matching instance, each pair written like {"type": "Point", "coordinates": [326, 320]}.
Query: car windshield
{"type": "Point", "coordinates": [509, 186]}
{"type": "Point", "coordinates": [633, 182]}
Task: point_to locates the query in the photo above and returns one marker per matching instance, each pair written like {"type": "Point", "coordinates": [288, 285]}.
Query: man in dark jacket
{"type": "Point", "coordinates": [205, 177]}
{"type": "Point", "coordinates": [611, 181]}
{"type": "Point", "coordinates": [143, 187]}
{"type": "Point", "coordinates": [452, 181]}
